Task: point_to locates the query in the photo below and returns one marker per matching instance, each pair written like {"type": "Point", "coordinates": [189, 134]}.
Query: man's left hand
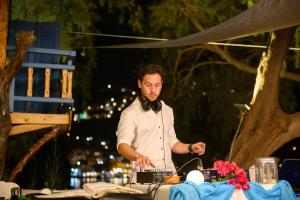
{"type": "Point", "coordinates": [198, 148]}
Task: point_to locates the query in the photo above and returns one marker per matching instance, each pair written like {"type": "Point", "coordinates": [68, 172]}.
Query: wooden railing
{"type": "Point", "coordinates": [29, 121]}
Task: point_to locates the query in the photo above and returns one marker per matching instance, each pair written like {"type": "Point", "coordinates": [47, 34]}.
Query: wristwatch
{"type": "Point", "coordinates": [190, 148]}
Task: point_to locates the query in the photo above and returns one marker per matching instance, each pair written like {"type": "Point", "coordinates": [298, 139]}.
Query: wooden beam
{"type": "Point", "coordinates": [35, 118]}
{"type": "Point", "coordinates": [15, 130]}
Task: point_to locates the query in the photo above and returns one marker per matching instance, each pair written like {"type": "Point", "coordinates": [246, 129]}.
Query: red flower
{"type": "Point", "coordinates": [218, 163]}
{"type": "Point", "coordinates": [238, 186]}
{"type": "Point", "coordinates": [246, 186]}
{"type": "Point", "coordinates": [233, 174]}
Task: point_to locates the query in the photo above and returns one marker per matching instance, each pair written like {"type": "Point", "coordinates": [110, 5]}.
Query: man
{"type": "Point", "coordinates": [146, 134]}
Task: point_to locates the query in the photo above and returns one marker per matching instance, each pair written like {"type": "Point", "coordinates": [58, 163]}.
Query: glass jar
{"type": "Point", "coordinates": [266, 170]}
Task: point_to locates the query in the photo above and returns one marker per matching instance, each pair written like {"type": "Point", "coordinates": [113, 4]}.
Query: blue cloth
{"type": "Point", "coordinates": [190, 191]}
{"type": "Point", "coordinates": [223, 191]}
{"type": "Point", "coordinates": [281, 191]}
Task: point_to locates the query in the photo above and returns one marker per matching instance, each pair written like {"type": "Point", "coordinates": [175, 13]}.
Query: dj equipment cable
{"type": "Point", "coordinates": [156, 187]}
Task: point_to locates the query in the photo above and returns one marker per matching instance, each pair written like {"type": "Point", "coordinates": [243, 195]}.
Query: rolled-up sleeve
{"type": "Point", "coordinates": [172, 134]}
{"type": "Point", "coordinates": [126, 129]}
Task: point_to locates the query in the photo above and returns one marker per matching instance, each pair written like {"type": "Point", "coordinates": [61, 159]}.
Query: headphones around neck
{"type": "Point", "coordinates": [147, 105]}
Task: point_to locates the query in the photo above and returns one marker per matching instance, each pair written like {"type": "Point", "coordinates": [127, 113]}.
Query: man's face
{"type": "Point", "coordinates": [150, 86]}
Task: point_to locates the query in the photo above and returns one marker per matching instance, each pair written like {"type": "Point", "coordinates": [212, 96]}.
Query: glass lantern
{"type": "Point", "coordinates": [266, 170]}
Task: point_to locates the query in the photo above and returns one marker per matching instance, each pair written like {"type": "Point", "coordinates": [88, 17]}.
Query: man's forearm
{"type": "Point", "coordinates": [128, 152]}
{"type": "Point", "coordinates": [180, 148]}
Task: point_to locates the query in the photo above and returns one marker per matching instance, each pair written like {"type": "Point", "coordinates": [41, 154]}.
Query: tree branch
{"type": "Point", "coordinates": [184, 81]}
{"type": "Point", "coordinates": [33, 150]}
{"type": "Point", "coordinates": [242, 66]}
{"type": "Point", "coordinates": [23, 41]}
{"type": "Point", "coordinates": [186, 9]}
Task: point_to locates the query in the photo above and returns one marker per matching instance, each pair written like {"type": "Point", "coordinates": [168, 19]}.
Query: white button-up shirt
{"type": "Point", "coordinates": [149, 133]}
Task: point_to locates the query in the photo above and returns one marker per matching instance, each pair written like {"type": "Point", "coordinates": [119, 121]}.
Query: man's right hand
{"type": "Point", "coordinates": [131, 154]}
{"type": "Point", "coordinates": [144, 162]}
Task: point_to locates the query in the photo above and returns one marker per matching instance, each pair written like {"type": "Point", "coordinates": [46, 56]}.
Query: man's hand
{"type": "Point", "coordinates": [144, 161]}
{"type": "Point", "coordinates": [198, 148]}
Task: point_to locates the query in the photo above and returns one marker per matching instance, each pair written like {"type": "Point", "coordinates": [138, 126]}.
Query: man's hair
{"type": "Point", "coordinates": [150, 69]}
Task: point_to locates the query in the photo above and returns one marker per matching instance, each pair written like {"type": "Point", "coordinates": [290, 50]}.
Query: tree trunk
{"type": "Point", "coordinates": [7, 73]}
{"type": "Point", "coordinates": [4, 6]}
{"type": "Point", "coordinates": [266, 127]}
{"type": "Point", "coordinates": [23, 41]}
{"type": "Point", "coordinates": [4, 89]}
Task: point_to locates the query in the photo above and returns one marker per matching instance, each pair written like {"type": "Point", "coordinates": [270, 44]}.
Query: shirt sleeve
{"type": "Point", "coordinates": [126, 129]}
{"type": "Point", "coordinates": [172, 133]}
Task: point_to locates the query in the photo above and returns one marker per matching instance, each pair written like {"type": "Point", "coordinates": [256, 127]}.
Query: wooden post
{"type": "Point", "coordinates": [29, 81]}
{"type": "Point", "coordinates": [47, 82]}
{"type": "Point", "coordinates": [64, 84]}
{"type": "Point", "coordinates": [70, 77]}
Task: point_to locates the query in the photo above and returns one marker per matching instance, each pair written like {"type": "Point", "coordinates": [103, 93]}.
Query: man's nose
{"type": "Point", "coordinates": [152, 88]}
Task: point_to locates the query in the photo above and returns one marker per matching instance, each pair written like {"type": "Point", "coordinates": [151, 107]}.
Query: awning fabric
{"type": "Point", "coordinates": [267, 16]}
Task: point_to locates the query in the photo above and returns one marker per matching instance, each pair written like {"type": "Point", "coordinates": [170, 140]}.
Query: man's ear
{"type": "Point", "coordinates": [139, 83]}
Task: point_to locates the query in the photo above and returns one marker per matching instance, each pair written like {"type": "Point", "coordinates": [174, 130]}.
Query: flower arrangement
{"type": "Point", "coordinates": [232, 173]}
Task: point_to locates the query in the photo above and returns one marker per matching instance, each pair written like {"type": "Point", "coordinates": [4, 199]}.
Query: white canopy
{"type": "Point", "coordinates": [267, 16]}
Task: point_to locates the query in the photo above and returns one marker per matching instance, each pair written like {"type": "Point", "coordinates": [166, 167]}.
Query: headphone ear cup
{"type": "Point", "coordinates": [156, 106]}
{"type": "Point", "coordinates": [159, 105]}
{"type": "Point", "coordinates": [145, 105]}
